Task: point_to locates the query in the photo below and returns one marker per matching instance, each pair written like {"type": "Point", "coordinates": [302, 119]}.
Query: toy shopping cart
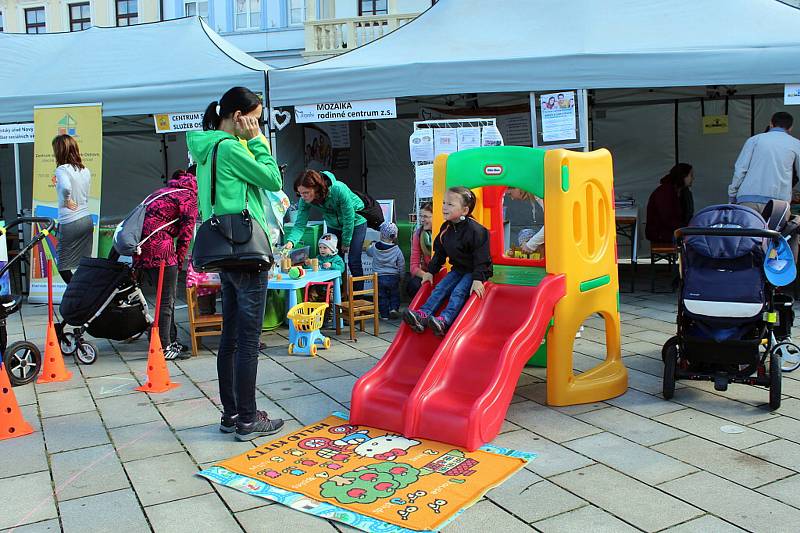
{"type": "Point", "coordinates": [308, 318]}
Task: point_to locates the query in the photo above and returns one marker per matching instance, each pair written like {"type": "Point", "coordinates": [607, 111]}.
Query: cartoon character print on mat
{"type": "Point", "coordinates": [405, 513]}
{"type": "Point", "coordinates": [367, 484]}
{"type": "Point", "coordinates": [436, 505]}
{"type": "Point", "coordinates": [453, 463]}
{"type": "Point", "coordinates": [385, 447]}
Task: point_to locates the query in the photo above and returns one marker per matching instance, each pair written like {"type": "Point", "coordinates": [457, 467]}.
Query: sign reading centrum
{"type": "Point", "coordinates": [346, 110]}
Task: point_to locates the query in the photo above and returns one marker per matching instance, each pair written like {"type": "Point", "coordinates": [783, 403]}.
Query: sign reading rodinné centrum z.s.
{"type": "Point", "coordinates": [346, 110]}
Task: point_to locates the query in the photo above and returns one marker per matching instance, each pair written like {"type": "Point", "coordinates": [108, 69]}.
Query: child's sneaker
{"type": "Point", "coordinates": [173, 352]}
{"type": "Point", "coordinates": [394, 313]}
{"type": "Point", "coordinates": [437, 325]}
{"type": "Point", "coordinates": [415, 319]}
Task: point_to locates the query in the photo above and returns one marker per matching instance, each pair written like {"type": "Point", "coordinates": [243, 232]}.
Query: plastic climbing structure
{"type": "Point", "coordinates": [457, 389]}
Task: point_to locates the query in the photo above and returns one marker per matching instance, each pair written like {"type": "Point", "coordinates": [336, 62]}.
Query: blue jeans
{"type": "Point", "coordinates": [353, 259]}
{"type": "Point", "coordinates": [454, 285]}
{"type": "Point", "coordinates": [388, 293]}
{"type": "Point", "coordinates": [244, 297]}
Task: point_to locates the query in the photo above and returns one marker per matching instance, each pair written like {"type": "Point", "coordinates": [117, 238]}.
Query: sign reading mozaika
{"type": "Point", "coordinates": [173, 122]}
{"type": "Point", "coordinates": [16, 133]}
{"type": "Point", "coordinates": [346, 110]}
{"type": "Point", "coordinates": [84, 122]}
{"type": "Point", "coordinates": [370, 475]}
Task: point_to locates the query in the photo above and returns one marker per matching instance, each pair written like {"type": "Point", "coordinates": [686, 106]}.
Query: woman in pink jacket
{"type": "Point", "coordinates": [421, 248]}
{"type": "Point", "coordinates": [169, 222]}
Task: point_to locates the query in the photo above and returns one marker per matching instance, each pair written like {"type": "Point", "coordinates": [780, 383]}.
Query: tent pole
{"type": "Point", "coordinates": [18, 181]}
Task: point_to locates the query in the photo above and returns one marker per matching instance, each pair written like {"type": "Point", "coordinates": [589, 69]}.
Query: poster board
{"type": "Point", "coordinates": [84, 122]}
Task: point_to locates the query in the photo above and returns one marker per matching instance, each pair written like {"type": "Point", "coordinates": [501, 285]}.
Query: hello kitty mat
{"type": "Point", "coordinates": [368, 478]}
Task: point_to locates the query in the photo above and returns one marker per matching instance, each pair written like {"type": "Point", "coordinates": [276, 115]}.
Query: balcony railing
{"type": "Point", "coordinates": [331, 37]}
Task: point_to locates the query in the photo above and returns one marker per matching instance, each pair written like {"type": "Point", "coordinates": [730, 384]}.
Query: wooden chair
{"type": "Point", "coordinates": [200, 325]}
{"type": "Point", "coordinates": [662, 251]}
{"type": "Point", "coordinates": [358, 310]}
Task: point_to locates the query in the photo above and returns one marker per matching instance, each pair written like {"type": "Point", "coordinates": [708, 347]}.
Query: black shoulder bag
{"type": "Point", "coordinates": [230, 242]}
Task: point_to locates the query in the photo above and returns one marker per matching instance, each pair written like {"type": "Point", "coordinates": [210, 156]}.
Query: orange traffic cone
{"type": "Point", "coordinates": [11, 422]}
{"type": "Point", "coordinates": [157, 372]}
{"type": "Point", "coordinates": [53, 368]}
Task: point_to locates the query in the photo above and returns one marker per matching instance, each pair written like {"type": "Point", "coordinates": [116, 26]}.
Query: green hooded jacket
{"type": "Point", "coordinates": [240, 170]}
{"type": "Point", "coordinates": [340, 210]}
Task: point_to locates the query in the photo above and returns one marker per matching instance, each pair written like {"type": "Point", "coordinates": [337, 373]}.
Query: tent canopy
{"type": "Point", "coordinates": [174, 66]}
{"type": "Point", "coordinates": [474, 46]}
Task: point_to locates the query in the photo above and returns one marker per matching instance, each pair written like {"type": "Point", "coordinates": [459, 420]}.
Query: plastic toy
{"type": "Point", "coordinates": [457, 389]}
{"type": "Point", "coordinates": [308, 318]}
{"type": "Point", "coordinates": [297, 272]}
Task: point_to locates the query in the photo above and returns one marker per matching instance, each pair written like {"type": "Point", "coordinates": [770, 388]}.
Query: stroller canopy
{"type": "Point", "coordinates": [725, 216]}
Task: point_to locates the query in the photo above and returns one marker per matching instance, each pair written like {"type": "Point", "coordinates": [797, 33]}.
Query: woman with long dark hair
{"type": "Point", "coordinates": [671, 205]}
{"type": "Point", "coordinates": [75, 228]}
{"type": "Point", "coordinates": [339, 206]}
{"type": "Point", "coordinates": [244, 166]}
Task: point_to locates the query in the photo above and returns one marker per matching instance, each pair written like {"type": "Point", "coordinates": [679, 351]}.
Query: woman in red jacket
{"type": "Point", "coordinates": [169, 220]}
{"type": "Point", "coordinates": [671, 205]}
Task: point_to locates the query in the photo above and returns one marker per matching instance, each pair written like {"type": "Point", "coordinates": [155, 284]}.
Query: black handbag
{"type": "Point", "coordinates": [372, 211]}
{"type": "Point", "coordinates": [230, 242]}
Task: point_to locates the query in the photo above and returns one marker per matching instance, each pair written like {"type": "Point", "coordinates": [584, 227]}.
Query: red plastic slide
{"type": "Point", "coordinates": [458, 391]}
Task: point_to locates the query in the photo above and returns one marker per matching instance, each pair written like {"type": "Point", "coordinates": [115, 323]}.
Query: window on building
{"type": "Point", "coordinates": [80, 16]}
{"type": "Point", "coordinates": [297, 12]}
{"type": "Point", "coordinates": [247, 14]}
{"type": "Point", "coordinates": [35, 20]}
{"type": "Point", "coordinates": [127, 12]}
{"type": "Point", "coordinates": [1, 21]}
{"type": "Point", "coordinates": [373, 7]}
{"type": "Point", "coordinates": [196, 9]}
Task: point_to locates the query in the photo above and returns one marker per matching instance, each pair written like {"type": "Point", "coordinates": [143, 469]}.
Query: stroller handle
{"type": "Point", "coordinates": [727, 232]}
{"type": "Point", "coordinates": [39, 237]}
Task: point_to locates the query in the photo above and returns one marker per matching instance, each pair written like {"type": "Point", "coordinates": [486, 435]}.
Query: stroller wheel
{"type": "Point", "coordinates": [86, 353]}
{"type": "Point", "coordinates": [68, 343]}
{"type": "Point", "coordinates": [774, 380]}
{"type": "Point", "coordinates": [670, 366]}
{"type": "Point", "coordinates": [789, 355]}
{"type": "Point", "coordinates": [23, 360]}
{"type": "Point", "coordinates": [672, 341]}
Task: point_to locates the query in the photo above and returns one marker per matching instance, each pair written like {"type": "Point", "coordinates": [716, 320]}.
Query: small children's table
{"type": "Point", "coordinates": [287, 283]}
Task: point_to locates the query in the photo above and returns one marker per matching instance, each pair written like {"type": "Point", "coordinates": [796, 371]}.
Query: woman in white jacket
{"type": "Point", "coordinates": [75, 227]}
{"type": "Point", "coordinates": [530, 241]}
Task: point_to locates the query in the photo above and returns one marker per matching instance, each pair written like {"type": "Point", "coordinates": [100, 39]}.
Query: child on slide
{"type": "Point", "coordinates": [466, 244]}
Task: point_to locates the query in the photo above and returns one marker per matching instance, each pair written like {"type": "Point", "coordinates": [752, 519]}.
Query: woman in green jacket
{"type": "Point", "coordinates": [339, 206]}
{"type": "Point", "coordinates": [243, 169]}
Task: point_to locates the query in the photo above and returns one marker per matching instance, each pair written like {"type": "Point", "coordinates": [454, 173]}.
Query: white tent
{"type": "Point", "coordinates": [174, 66]}
{"type": "Point", "coordinates": [474, 46]}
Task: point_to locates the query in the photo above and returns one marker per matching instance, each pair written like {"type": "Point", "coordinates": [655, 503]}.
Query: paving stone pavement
{"type": "Point", "coordinates": [107, 458]}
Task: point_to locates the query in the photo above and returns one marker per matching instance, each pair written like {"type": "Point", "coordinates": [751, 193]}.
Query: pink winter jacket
{"type": "Point", "coordinates": [172, 242]}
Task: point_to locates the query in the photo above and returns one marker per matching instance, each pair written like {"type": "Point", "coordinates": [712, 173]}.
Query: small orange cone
{"type": "Point", "coordinates": [53, 368]}
{"type": "Point", "coordinates": [157, 371]}
{"type": "Point", "coordinates": [11, 422]}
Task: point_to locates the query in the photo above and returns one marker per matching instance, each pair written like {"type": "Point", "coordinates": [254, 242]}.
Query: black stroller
{"type": "Point", "coordinates": [732, 326]}
{"type": "Point", "coordinates": [22, 359]}
{"type": "Point", "coordinates": [103, 300]}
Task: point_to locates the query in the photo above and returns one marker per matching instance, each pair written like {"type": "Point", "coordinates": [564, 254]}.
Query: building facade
{"type": "Point", "coordinates": [44, 16]}
{"type": "Point", "coordinates": [280, 33]}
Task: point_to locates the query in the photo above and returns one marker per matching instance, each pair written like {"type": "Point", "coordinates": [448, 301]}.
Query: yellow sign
{"type": "Point", "coordinates": [713, 124]}
{"type": "Point", "coordinates": [84, 122]}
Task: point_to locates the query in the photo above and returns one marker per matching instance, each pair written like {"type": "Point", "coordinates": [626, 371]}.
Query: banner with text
{"type": "Point", "coordinates": [174, 122]}
{"type": "Point", "coordinates": [16, 133]}
{"type": "Point", "coordinates": [84, 122]}
{"type": "Point", "coordinates": [346, 110]}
